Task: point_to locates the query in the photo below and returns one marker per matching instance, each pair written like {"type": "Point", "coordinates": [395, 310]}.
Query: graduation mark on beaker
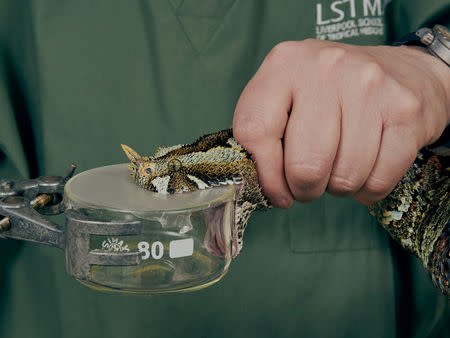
{"type": "Point", "coordinates": [177, 248]}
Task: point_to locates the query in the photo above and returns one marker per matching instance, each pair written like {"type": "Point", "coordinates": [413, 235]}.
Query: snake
{"type": "Point", "coordinates": [416, 213]}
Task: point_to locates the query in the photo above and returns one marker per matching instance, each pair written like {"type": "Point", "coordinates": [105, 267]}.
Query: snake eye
{"type": "Point", "coordinates": [148, 170]}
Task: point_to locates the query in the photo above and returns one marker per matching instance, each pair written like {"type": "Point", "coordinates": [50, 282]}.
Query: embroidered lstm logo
{"type": "Point", "coordinates": [341, 19]}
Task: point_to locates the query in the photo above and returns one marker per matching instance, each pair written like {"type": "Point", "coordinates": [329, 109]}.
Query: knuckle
{"type": "Point", "coordinates": [248, 128]}
{"type": "Point", "coordinates": [343, 185]}
{"type": "Point", "coordinates": [409, 106]}
{"type": "Point", "coordinates": [331, 56]}
{"type": "Point", "coordinates": [281, 51]}
{"type": "Point", "coordinates": [372, 76]}
{"type": "Point", "coordinates": [377, 187]}
{"type": "Point", "coordinates": [306, 176]}
{"type": "Point", "coordinates": [411, 102]}
{"type": "Point", "coordinates": [286, 53]}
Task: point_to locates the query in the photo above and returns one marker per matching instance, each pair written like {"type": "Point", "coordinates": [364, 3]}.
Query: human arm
{"type": "Point", "coordinates": [322, 116]}
{"type": "Point", "coordinates": [350, 121]}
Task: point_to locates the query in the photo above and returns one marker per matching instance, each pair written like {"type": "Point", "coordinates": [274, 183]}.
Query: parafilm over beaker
{"type": "Point", "coordinates": [183, 241]}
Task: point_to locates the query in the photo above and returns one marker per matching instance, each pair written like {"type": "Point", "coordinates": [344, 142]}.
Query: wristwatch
{"type": "Point", "coordinates": [436, 40]}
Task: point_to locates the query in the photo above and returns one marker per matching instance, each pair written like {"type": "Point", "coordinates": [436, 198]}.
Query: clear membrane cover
{"type": "Point", "coordinates": [112, 187]}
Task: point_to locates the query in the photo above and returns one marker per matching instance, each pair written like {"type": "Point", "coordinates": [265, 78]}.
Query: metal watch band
{"type": "Point", "coordinates": [437, 41]}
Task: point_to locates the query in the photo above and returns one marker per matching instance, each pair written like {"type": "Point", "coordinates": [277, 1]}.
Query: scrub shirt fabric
{"type": "Point", "coordinates": [77, 78]}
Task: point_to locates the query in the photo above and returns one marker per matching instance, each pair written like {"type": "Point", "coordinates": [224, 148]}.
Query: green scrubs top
{"type": "Point", "coordinates": [77, 78]}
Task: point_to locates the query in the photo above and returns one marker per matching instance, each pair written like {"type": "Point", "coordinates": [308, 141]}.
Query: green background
{"type": "Point", "coordinates": [77, 78]}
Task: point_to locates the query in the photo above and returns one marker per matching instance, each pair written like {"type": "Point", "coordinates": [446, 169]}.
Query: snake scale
{"type": "Point", "coordinates": [416, 213]}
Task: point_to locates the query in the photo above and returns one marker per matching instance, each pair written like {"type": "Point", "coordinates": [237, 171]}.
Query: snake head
{"type": "Point", "coordinates": [143, 169]}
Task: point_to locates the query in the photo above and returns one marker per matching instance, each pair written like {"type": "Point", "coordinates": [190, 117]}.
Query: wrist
{"type": "Point", "coordinates": [435, 42]}
{"type": "Point", "coordinates": [439, 73]}
{"type": "Point", "coordinates": [442, 73]}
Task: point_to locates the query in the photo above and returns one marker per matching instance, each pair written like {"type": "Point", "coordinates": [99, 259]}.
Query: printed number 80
{"type": "Point", "coordinates": [156, 251]}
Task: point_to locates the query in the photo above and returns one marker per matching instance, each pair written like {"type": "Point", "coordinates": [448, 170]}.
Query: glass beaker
{"type": "Point", "coordinates": [185, 240]}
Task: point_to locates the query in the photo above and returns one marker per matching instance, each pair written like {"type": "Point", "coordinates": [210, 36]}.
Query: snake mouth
{"type": "Point", "coordinates": [214, 240]}
{"type": "Point", "coordinates": [219, 240]}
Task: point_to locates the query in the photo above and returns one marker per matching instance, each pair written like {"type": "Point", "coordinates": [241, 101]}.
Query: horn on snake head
{"type": "Point", "coordinates": [133, 156]}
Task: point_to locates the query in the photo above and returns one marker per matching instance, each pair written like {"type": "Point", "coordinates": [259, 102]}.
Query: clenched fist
{"type": "Point", "coordinates": [323, 116]}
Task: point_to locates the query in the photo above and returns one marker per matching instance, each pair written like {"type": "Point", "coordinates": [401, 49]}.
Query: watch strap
{"type": "Point", "coordinates": [410, 39]}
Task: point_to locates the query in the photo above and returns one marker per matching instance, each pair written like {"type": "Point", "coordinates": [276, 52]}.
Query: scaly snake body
{"type": "Point", "coordinates": [416, 213]}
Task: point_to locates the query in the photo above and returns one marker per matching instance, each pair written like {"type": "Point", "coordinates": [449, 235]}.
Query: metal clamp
{"type": "Point", "coordinates": [44, 193]}
{"type": "Point", "coordinates": [22, 203]}
{"type": "Point", "coordinates": [80, 257]}
{"type": "Point", "coordinates": [27, 224]}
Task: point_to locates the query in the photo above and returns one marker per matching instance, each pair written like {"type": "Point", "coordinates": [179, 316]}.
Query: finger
{"type": "Point", "coordinates": [394, 158]}
{"type": "Point", "coordinates": [259, 122]}
{"type": "Point", "coordinates": [359, 144]}
{"type": "Point", "coordinates": [311, 141]}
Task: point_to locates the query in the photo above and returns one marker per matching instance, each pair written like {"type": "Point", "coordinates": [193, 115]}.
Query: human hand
{"type": "Point", "coordinates": [323, 116]}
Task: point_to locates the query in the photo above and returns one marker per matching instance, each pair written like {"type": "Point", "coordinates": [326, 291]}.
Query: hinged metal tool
{"type": "Point", "coordinates": [23, 204]}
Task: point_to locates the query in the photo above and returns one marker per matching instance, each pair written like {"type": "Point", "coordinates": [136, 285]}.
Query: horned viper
{"type": "Point", "coordinates": [416, 213]}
